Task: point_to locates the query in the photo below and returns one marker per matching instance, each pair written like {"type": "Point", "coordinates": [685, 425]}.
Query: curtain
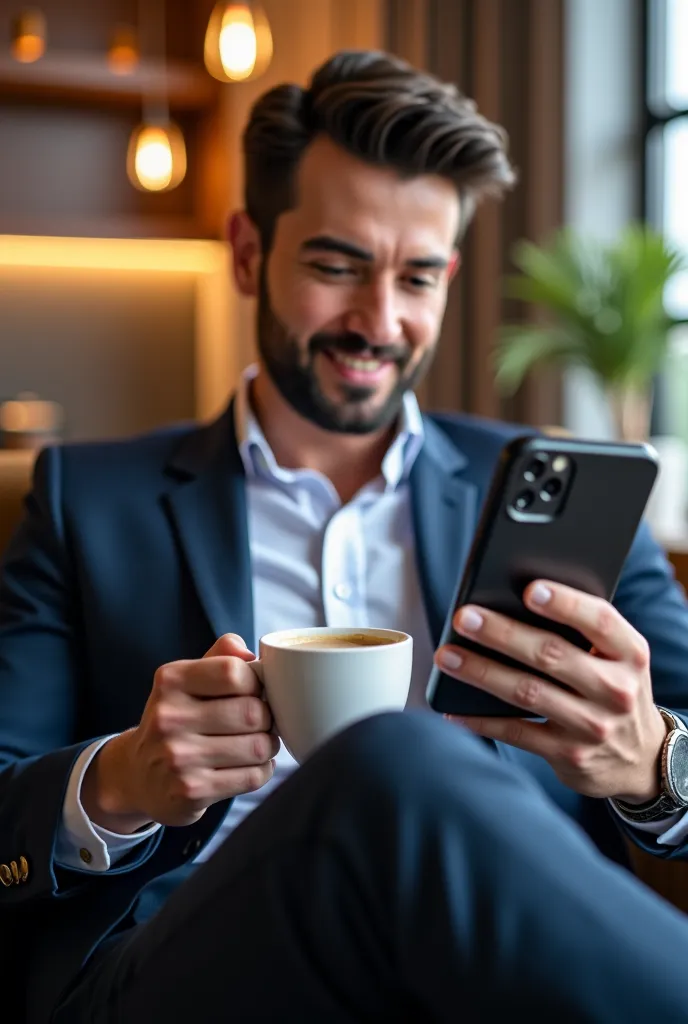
{"type": "Point", "coordinates": [508, 56]}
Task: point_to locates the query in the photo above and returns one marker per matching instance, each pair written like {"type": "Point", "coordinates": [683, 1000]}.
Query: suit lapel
{"type": "Point", "coordinates": [445, 508]}
{"type": "Point", "coordinates": [207, 505]}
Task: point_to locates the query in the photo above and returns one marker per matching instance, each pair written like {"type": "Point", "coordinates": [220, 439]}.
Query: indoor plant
{"type": "Point", "coordinates": [602, 307]}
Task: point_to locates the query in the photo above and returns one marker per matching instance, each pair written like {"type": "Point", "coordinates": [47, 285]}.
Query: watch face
{"type": "Point", "coordinates": [678, 768]}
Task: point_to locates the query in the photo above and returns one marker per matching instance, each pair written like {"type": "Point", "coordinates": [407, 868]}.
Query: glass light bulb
{"type": "Point", "coordinates": [238, 46]}
{"type": "Point", "coordinates": [153, 159]}
{"type": "Point", "coordinates": [238, 42]}
{"type": "Point", "coordinates": [28, 37]}
{"type": "Point", "coordinates": [123, 55]}
{"type": "Point", "coordinates": [157, 158]}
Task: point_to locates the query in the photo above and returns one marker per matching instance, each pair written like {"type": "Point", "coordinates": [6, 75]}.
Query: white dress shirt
{"type": "Point", "coordinates": [315, 562]}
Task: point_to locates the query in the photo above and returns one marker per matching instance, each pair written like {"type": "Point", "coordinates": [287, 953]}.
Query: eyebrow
{"type": "Point", "coordinates": [327, 243]}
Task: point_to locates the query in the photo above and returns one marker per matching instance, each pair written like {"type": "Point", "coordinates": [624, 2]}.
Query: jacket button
{"type": "Point", "coordinates": [6, 876]}
{"type": "Point", "coordinates": [191, 848]}
{"type": "Point", "coordinates": [24, 869]}
{"type": "Point", "coordinates": [85, 855]}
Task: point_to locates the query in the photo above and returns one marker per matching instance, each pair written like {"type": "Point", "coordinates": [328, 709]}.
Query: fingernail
{"type": "Point", "coordinates": [237, 640]}
{"type": "Point", "coordinates": [450, 660]}
{"type": "Point", "coordinates": [540, 594]}
{"type": "Point", "coordinates": [470, 620]}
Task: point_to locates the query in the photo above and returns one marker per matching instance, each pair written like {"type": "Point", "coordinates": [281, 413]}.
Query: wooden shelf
{"type": "Point", "coordinates": [108, 227]}
{"type": "Point", "coordinates": [88, 79]}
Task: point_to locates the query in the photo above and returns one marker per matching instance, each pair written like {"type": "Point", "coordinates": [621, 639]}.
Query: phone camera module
{"type": "Point", "coordinates": [523, 501]}
{"type": "Point", "coordinates": [551, 489]}
{"type": "Point", "coordinates": [535, 469]}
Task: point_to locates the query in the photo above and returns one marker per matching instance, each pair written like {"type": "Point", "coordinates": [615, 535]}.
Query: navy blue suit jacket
{"type": "Point", "coordinates": [133, 554]}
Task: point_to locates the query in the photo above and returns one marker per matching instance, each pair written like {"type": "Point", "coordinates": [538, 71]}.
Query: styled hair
{"type": "Point", "coordinates": [383, 111]}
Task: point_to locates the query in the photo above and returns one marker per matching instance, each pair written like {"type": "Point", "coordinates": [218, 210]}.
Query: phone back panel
{"type": "Point", "coordinates": [581, 539]}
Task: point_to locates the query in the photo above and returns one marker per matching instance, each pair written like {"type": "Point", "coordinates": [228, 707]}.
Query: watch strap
{"type": "Point", "coordinates": [664, 805]}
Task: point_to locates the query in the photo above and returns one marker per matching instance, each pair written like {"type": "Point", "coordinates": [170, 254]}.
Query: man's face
{"type": "Point", "coordinates": [352, 294]}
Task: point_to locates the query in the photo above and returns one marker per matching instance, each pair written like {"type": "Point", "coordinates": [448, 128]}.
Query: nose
{"type": "Point", "coordinates": [376, 314]}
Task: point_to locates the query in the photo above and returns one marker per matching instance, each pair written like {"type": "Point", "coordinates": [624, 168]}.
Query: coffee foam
{"type": "Point", "coordinates": [339, 640]}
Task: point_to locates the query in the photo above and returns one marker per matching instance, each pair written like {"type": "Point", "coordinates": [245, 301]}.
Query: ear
{"type": "Point", "coordinates": [454, 265]}
{"type": "Point", "coordinates": [244, 238]}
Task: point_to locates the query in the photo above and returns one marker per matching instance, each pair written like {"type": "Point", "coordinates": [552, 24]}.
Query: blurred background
{"type": "Point", "coordinates": [120, 128]}
{"type": "Point", "coordinates": [120, 157]}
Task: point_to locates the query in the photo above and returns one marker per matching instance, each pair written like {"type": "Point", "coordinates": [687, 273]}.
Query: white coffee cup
{"type": "Point", "coordinates": [316, 690]}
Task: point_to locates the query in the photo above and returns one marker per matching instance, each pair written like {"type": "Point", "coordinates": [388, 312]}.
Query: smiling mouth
{"type": "Point", "coordinates": [366, 365]}
{"type": "Point", "coordinates": [362, 370]}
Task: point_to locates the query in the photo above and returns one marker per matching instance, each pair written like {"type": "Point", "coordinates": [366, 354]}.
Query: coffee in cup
{"type": "Point", "coordinates": [343, 640]}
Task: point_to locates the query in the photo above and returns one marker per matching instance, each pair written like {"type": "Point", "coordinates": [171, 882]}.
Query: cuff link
{"type": "Point", "coordinates": [14, 873]}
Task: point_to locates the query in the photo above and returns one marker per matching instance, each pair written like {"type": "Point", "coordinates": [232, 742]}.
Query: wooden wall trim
{"type": "Point", "coordinates": [484, 257]}
{"type": "Point", "coordinates": [540, 400]}
{"type": "Point", "coordinates": [509, 58]}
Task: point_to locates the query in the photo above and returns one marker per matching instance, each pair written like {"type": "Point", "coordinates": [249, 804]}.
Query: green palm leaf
{"type": "Point", "coordinates": [603, 303]}
{"type": "Point", "coordinates": [520, 349]}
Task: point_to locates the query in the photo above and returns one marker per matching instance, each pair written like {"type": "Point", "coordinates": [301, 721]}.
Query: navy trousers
{"type": "Point", "coordinates": [404, 873]}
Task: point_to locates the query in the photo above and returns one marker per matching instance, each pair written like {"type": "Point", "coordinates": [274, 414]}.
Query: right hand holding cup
{"type": "Point", "coordinates": [205, 736]}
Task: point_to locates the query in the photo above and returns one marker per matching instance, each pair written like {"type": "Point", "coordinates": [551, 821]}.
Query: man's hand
{"type": "Point", "coordinates": [204, 736]}
{"type": "Point", "coordinates": [603, 736]}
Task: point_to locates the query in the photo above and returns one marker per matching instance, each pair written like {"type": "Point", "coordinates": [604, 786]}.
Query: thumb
{"type": "Point", "coordinates": [230, 645]}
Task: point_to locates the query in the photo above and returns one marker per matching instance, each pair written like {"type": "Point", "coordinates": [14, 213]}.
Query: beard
{"type": "Point", "coordinates": [292, 371]}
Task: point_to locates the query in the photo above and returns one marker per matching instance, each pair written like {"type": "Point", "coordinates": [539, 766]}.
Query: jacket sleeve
{"type": "Point", "coordinates": [649, 597]}
{"type": "Point", "coordinates": [42, 679]}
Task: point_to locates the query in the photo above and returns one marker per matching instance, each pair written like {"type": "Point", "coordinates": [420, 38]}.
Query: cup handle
{"type": "Point", "coordinates": [257, 666]}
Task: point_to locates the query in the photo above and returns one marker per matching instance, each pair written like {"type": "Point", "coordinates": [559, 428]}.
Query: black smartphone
{"type": "Point", "coordinates": [560, 509]}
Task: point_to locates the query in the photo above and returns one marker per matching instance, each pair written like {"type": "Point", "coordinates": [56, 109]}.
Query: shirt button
{"type": "Point", "coordinates": [191, 848]}
{"type": "Point", "coordinates": [85, 855]}
{"type": "Point", "coordinates": [343, 591]}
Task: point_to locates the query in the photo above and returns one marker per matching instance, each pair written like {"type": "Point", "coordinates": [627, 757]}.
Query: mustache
{"type": "Point", "coordinates": [353, 344]}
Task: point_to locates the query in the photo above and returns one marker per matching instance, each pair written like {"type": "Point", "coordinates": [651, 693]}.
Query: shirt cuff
{"type": "Point", "coordinates": [82, 844]}
{"type": "Point", "coordinates": [670, 831]}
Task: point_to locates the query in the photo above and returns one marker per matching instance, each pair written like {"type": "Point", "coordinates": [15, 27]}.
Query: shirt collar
{"type": "Point", "coordinates": [259, 460]}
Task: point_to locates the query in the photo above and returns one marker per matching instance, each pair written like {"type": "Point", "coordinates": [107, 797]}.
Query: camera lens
{"type": "Point", "coordinates": [551, 489]}
{"type": "Point", "coordinates": [524, 500]}
{"type": "Point", "coordinates": [535, 469]}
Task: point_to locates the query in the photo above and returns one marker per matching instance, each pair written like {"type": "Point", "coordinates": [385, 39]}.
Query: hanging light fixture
{"type": "Point", "coordinates": [123, 54]}
{"type": "Point", "coordinates": [238, 42]}
{"type": "Point", "coordinates": [156, 160]}
{"type": "Point", "coordinates": [156, 157]}
{"type": "Point", "coordinates": [28, 36]}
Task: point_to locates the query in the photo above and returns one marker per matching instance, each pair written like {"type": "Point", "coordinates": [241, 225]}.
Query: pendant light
{"type": "Point", "coordinates": [238, 42]}
{"type": "Point", "coordinates": [156, 158]}
{"type": "Point", "coordinates": [28, 36]}
{"type": "Point", "coordinates": [123, 53]}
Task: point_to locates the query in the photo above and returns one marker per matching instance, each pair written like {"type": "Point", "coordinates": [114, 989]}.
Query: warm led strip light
{"type": "Point", "coordinates": [175, 256]}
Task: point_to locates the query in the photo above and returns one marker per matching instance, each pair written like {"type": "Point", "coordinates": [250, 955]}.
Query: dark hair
{"type": "Point", "coordinates": [382, 110]}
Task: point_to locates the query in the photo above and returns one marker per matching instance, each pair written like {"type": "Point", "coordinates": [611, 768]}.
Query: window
{"type": "Point", "coordinates": [666, 181]}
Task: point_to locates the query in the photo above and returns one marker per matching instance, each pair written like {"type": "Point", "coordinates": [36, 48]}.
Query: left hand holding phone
{"type": "Point", "coordinates": [603, 735]}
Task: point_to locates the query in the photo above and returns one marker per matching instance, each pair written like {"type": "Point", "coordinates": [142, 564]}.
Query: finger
{"type": "Point", "coordinates": [220, 752]}
{"type": "Point", "coordinates": [597, 679]}
{"type": "Point", "coordinates": [229, 782]}
{"type": "Point", "coordinates": [210, 785]}
{"type": "Point", "coordinates": [230, 645]}
{"type": "Point", "coordinates": [606, 629]}
{"type": "Point", "coordinates": [211, 676]}
{"type": "Point", "coordinates": [578, 717]}
{"type": "Point", "coordinates": [229, 716]}
{"type": "Point", "coordinates": [535, 737]}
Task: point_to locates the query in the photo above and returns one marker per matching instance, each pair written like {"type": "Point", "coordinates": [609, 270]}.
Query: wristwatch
{"type": "Point", "coordinates": [673, 764]}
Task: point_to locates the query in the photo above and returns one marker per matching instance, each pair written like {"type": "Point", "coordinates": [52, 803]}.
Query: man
{"type": "Point", "coordinates": [133, 741]}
